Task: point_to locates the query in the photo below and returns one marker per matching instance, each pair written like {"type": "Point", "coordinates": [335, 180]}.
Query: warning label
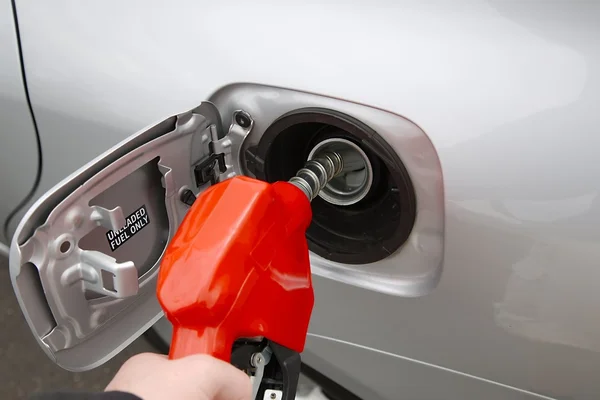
{"type": "Point", "coordinates": [134, 223]}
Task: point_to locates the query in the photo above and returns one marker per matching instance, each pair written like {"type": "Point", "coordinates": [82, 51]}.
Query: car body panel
{"type": "Point", "coordinates": [507, 92]}
{"type": "Point", "coordinates": [19, 157]}
{"type": "Point", "coordinates": [419, 380]}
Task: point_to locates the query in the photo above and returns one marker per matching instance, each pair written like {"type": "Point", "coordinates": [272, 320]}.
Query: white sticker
{"type": "Point", "coordinates": [135, 222]}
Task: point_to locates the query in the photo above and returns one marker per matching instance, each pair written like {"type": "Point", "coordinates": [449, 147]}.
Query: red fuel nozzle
{"type": "Point", "coordinates": [238, 267]}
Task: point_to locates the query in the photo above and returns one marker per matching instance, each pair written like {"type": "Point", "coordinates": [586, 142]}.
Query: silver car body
{"type": "Point", "coordinates": [506, 93]}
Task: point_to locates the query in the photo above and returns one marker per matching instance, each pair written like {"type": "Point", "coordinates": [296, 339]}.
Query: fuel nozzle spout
{"type": "Point", "coordinates": [317, 173]}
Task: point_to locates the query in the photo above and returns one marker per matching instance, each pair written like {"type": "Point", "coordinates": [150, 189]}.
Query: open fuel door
{"type": "Point", "coordinates": [85, 257]}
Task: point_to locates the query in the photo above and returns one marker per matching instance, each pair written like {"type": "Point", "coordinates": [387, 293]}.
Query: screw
{"type": "Point", "coordinates": [273, 396]}
{"type": "Point", "coordinates": [188, 197]}
{"type": "Point", "coordinates": [243, 119]}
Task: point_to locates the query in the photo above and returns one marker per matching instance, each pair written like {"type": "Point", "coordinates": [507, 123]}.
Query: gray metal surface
{"type": "Point", "coordinates": [507, 94]}
{"type": "Point", "coordinates": [399, 377]}
{"type": "Point", "coordinates": [18, 143]}
{"type": "Point", "coordinates": [100, 298]}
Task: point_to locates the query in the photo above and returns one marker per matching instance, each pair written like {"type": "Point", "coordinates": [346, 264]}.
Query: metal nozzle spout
{"type": "Point", "coordinates": [317, 173]}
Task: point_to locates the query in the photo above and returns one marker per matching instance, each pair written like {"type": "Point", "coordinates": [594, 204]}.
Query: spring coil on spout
{"type": "Point", "coordinates": [317, 173]}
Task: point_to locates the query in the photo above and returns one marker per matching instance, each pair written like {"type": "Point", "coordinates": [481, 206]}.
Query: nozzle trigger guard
{"type": "Point", "coordinates": [278, 372]}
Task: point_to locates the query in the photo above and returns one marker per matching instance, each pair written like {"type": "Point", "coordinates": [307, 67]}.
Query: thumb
{"type": "Point", "coordinates": [195, 377]}
{"type": "Point", "coordinates": [219, 380]}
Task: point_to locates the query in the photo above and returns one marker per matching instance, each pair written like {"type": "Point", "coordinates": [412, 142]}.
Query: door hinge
{"type": "Point", "coordinates": [223, 160]}
{"type": "Point", "coordinates": [209, 169]}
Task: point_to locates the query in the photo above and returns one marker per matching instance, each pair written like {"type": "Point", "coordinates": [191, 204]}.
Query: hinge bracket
{"type": "Point", "coordinates": [209, 169]}
{"type": "Point", "coordinates": [223, 161]}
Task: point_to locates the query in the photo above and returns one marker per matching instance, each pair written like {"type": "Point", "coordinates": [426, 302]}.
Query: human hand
{"type": "Point", "coordinates": [197, 377]}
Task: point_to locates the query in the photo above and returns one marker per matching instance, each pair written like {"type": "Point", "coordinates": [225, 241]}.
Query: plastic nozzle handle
{"type": "Point", "coordinates": [238, 267]}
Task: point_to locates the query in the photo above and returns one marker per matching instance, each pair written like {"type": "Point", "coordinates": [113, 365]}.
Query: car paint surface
{"type": "Point", "coordinates": [18, 141]}
{"type": "Point", "coordinates": [508, 94]}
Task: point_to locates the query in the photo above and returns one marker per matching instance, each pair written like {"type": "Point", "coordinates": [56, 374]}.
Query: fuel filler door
{"type": "Point", "coordinates": [85, 257]}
